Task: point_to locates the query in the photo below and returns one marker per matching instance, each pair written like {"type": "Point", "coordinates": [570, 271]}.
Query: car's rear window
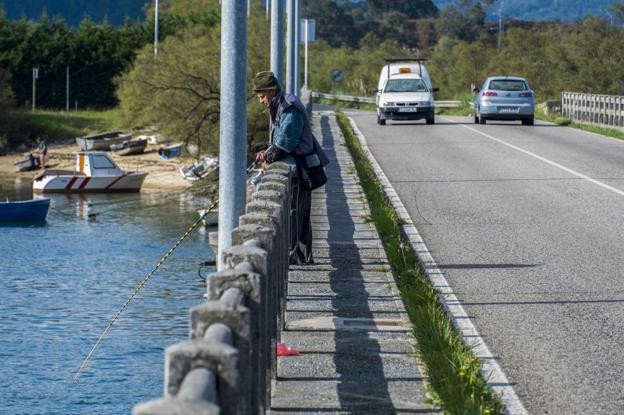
{"type": "Point", "coordinates": [508, 85]}
{"type": "Point", "coordinates": [405, 85]}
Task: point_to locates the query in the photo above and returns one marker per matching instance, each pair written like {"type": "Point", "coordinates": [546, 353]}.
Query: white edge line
{"type": "Point", "coordinates": [490, 370]}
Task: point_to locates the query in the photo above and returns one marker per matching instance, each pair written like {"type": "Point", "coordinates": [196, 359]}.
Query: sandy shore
{"type": "Point", "coordinates": [162, 174]}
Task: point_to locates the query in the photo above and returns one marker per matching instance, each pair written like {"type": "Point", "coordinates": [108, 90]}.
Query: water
{"type": "Point", "coordinates": [61, 283]}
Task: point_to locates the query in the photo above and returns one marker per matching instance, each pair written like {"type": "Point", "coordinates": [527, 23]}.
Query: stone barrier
{"type": "Point", "coordinates": [229, 362]}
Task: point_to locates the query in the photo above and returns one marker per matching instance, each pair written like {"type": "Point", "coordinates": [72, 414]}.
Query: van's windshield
{"type": "Point", "coordinates": [406, 85]}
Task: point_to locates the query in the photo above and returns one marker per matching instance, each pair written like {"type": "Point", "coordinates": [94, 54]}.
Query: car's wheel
{"type": "Point", "coordinates": [382, 121]}
{"type": "Point", "coordinates": [378, 119]}
{"type": "Point", "coordinates": [430, 120]}
{"type": "Point", "coordinates": [476, 119]}
{"type": "Point", "coordinates": [528, 121]}
{"type": "Point", "coordinates": [481, 120]}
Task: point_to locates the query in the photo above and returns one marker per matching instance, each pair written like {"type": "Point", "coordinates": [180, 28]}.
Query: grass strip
{"type": "Point", "coordinates": [21, 127]}
{"type": "Point", "coordinates": [455, 382]}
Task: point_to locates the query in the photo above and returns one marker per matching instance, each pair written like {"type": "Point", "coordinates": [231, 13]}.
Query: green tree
{"type": "Point", "coordinates": [464, 20]}
{"type": "Point", "coordinates": [413, 9]}
{"type": "Point", "coordinates": [179, 90]}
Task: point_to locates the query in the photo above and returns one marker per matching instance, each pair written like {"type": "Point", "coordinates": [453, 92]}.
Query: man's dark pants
{"type": "Point", "coordinates": [300, 227]}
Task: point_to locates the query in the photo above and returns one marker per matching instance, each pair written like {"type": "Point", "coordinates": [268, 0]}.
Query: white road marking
{"type": "Point", "coordinates": [545, 160]}
{"type": "Point", "coordinates": [490, 370]}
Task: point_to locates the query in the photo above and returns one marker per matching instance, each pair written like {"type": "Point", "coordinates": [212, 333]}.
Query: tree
{"type": "Point", "coordinates": [413, 9]}
{"type": "Point", "coordinates": [178, 91]}
{"type": "Point", "coordinates": [333, 22]}
{"type": "Point", "coordinates": [464, 20]}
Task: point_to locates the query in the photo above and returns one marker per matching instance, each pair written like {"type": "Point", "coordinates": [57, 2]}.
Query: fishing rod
{"type": "Point", "coordinates": [137, 289]}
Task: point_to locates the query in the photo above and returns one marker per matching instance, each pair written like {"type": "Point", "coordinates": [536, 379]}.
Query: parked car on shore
{"type": "Point", "coordinates": [505, 98]}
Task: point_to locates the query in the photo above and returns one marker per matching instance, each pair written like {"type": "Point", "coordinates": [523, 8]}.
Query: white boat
{"type": "Point", "coordinates": [211, 218]}
{"type": "Point", "coordinates": [30, 163]}
{"type": "Point", "coordinates": [200, 169]}
{"type": "Point", "coordinates": [129, 147]}
{"type": "Point", "coordinates": [95, 172]}
{"type": "Point", "coordinates": [102, 141]}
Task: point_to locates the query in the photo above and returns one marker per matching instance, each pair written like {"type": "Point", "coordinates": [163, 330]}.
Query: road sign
{"type": "Point", "coordinates": [335, 75]}
{"type": "Point", "coordinates": [311, 30]}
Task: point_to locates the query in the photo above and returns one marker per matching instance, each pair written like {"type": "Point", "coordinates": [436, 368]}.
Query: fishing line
{"type": "Point", "coordinates": [137, 289]}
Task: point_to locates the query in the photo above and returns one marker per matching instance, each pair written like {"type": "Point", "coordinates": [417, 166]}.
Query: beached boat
{"type": "Point", "coordinates": [102, 141]}
{"type": "Point", "coordinates": [95, 172]}
{"type": "Point", "coordinates": [24, 210]}
{"type": "Point", "coordinates": [30, 163]}
{"type": "Point", "coordinates": [129, 147]}
{"type": "Point", "coordinates": [170, 152]}
{"type": "Point", "coordinates": [200, 169]}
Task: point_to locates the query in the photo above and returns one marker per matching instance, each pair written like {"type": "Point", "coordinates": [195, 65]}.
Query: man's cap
{"type": "Point", "coordinates": [265, 80]}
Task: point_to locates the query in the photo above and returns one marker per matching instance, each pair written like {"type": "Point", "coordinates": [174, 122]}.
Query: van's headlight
{"type": "Point", "coordinates": [388, 104]}
{"type": "Point", "coordinates": [425, 103]}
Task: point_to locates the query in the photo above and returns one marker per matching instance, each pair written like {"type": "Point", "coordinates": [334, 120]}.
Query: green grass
{"type": "Point", "coordinates": [464, 108]}
{"type": "Point", "coordinates": [453, 371]}
{"type": "Point", "coordinates": [21, 127]}
{"type": "Point", "coordinates": [556, 119]}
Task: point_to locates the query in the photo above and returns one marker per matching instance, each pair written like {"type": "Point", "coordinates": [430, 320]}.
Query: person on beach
{"type": "Point", "coordinates": [40, 151]}
{"type": "Point", "coordinates": [290, 141]}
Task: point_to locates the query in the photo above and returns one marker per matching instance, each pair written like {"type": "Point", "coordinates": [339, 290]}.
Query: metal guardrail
{"type": "Point", "coordinates": [602, 110]}
{"type": "Point", "coordinates": [368, 100]}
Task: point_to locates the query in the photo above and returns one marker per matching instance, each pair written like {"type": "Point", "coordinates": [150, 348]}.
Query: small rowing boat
{"type": "Point", "coordinates": [129, 147]}
{"type": "Point", "coordinates": [102, 141]}
{"type": "Point", "coordinates": [34, 210]}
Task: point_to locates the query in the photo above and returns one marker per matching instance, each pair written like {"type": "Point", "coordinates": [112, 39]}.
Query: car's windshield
{"type": "Point", "coordinates": [406, 85]}
{"type": "Point", "coordinates": [508, 85]}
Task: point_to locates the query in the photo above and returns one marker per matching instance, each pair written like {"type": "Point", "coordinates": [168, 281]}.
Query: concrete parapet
{"type": "Point", "coordinates": [229, 363]}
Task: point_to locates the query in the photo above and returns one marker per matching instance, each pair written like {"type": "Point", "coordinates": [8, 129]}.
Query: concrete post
{"type": "Point", "coordinates": [277, 40]}
{"type": "Point", "coordinates": [252, 253]}
{"type": "Point", "coordinates": [220, 358]}
{"type": "Point", "coordinates": [233, 131]}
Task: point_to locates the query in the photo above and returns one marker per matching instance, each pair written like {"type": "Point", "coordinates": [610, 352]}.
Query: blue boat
{"type": "Point", "coordinates": [170, 152]}
{"type": "Point", "coordinates": [34, 210]}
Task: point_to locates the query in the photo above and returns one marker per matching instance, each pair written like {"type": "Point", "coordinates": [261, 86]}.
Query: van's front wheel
{"type": "Point", "coordinates": [381, 121]}
{"type": "Point", "coordinates": [430, 120]}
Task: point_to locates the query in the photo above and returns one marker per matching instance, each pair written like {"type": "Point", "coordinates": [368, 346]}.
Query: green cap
{"type": "Point", "coordinates": [265, 80]}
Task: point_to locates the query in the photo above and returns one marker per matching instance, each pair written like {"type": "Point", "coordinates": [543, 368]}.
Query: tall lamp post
{"type": "Point", "coordinates": [233, 125]}
{"type": "Point", "coordinates": [156, 29]}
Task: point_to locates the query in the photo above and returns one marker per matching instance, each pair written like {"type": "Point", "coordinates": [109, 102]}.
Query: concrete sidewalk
{"type": "Point", "coordinates": [344, 314]}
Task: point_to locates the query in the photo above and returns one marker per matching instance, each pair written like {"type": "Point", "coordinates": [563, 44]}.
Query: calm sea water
{"type": "Point", "coordinates": [61, 283]}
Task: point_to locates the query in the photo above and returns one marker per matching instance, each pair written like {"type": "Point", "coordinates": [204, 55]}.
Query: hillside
{"type": "Point", "coordinates": [74, 11]}
{"type": "Point", "coordinates": [564, 10]}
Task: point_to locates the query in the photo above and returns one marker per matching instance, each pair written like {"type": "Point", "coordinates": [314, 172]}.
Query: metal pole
{"type": "Point", "coordinates": [34, 88]}
{"type": "Point", "coordinates": [290, 47]}
{"type": "Point", "coordinates": [267, 5]}
{"type": "Point", "coordinates": [305, 64]}
{"type": "Point", "coordinates": [277, 40]}
{"type": "Point", "coordinates": [297, 54]}
{"type": "Point", "coordinates": [156, 30]}
{"type": "Point", "coordinates": [500, 24]}
{"type": "Point", "coordinates": [67, 91]}
{"type": "Point", "coordinates": [233, 129]}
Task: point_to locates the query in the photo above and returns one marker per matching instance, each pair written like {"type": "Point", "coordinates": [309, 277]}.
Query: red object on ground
{"type": "Point", "coordinates": [283, 350]}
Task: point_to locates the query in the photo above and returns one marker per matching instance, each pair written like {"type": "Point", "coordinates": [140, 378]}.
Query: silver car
{"type": "Point", "coordinates": [505, 98]}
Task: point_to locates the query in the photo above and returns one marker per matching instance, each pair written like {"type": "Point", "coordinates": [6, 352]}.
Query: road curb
{"type": "Point", "coordinates": [490, 370]}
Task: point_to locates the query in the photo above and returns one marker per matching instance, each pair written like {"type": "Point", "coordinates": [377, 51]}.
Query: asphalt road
{"type": "Point", "coordinates": [527, 225]}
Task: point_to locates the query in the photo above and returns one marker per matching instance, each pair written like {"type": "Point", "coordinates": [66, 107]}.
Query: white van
{"type": "Point", "coordinates": [405, 92]}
